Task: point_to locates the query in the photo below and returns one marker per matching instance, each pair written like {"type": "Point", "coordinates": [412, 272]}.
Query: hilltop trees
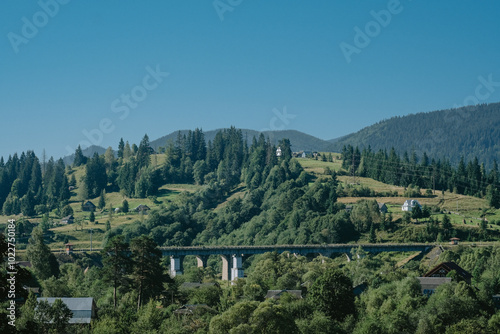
{"type": "Point", "coordinates": [95, 175]}
{"type": "Point", "coordinates": [468, 178]}
{"type": "Point", "coordinates": [79, 159]}
{"type": "Point", "coordinates": [43, 261]}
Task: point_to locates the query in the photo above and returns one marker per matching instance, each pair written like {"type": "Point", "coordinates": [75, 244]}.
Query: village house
{"type": "Point", "coordinates": [409, 204]}
{"type": "Point", "coordinates": [142, 208]}
{"type": "Point", "coordinates": [89, 206]}
{"type": "Point", "coordinates": [192, 309]}
{"type": "Point", "coordinates": [443, 269]}
{"type": "Point", "coordinates": [276, 294]}
{"type": "Point", "coordinates": [83, 309]}
{"type": "Point", "coordinates": [430, 284]}
{"type": "Point", "coordinates": [196, 285]}
{"type": "Point", "coordinates": [68, 220]}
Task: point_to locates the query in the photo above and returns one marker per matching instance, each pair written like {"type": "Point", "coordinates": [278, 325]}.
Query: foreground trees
{"type": "Point", "coordinates": [147, 272]}
{"type": "Point", "coordinates": [44, 262]}
{"type": "Point", "coordinates": [332, 293]}
{"type": "Point", "coordinates": [117, 264]}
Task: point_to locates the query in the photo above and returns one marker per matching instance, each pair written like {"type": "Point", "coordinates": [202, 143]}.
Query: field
{"type": "Point", "coordinates": [461, 207]}
{"type": "Point", "coordinates": [79, 236]}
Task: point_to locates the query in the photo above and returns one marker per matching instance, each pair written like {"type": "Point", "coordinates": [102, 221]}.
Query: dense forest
{"type": "Point", "coordinates": [468, 132]}
{"type": "Point", "coordinates": [135, 295]}
{"type": "Point", "coordinates": [471, 179]}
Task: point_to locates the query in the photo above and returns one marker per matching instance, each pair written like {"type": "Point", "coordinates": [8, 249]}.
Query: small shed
{"type": "Point", "coordinates": [68, 220]}
{"type": "Point", "coordinates": [68, 248]}
{"type": "Point", "coordinates": [382, 208]}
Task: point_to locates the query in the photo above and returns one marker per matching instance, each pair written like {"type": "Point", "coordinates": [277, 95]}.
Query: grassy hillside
{"type": "Point", "coordinates": [457, 207]}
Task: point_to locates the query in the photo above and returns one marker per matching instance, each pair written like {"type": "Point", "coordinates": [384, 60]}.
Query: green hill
{"type": "Point", "coordinates": [472, 131]}
{"type": "Point", "coordinates": [300, 141]}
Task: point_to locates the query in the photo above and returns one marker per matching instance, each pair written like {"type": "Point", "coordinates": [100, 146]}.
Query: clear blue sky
{"type": "Point", "coordinates": [75, 70]}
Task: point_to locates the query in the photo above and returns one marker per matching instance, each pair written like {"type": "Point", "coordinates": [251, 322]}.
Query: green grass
{"type": "Point", "coordinates": [81, 238]}
{"type": "Point", "coordinates": [317, 166]}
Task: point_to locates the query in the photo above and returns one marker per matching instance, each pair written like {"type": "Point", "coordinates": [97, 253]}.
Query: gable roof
{"type": "Point", "coordinates": [194, 285]}
{"type": "Point", "coordinates": [431, 283]}
{"type": "Point", "coordinates": [276, 294]}
{"type": "Point", "coordinates": [191, 309]}
{"type": "Point", "coordinates": [89, 203]}
{"type": "Point", "coordinates": [411, 202]}
{"type": "Point", "coordinates": [83, 308]}
{"type": "Point", "coordinates": [142, 207]}
{"type": "Point", "coordinates": [447, 267]}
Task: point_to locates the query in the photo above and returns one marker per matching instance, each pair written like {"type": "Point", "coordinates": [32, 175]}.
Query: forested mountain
{"type": "Point", "coordinates": [300, 141]}
{"type": "Point", "coordinates": [467, 132]}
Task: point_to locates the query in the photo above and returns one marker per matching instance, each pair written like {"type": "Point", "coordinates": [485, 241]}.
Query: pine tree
{"type": "Point", "coordinates": [125, 207]}
{"type": "Point", "coordinates": [117, 264]}
{"type": "Point", "coordinates": [147, 272]}
{"type": "Point", "coordinates": [121, 148]}
{"type": "Point", "coordinates": [373, 237]}
{"type": "Point", "coordinates": [143, 152]}
{"type": "Point", "coordinates": [102, 201]}
{"type": "Point", "coordinates": [80, 159]}
{"type": "Point", "coordinates": [44, 263]}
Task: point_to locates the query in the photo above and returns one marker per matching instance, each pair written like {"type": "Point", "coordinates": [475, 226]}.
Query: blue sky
{"type": "Point", "coordinates": [86, 66]}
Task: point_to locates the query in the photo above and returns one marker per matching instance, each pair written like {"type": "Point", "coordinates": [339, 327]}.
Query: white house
{"type": "Point", "coordinates": [409, 204]}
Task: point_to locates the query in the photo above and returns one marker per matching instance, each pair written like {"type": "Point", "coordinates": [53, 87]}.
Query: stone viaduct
{"type": "Point", "coordinates": [232, 256]}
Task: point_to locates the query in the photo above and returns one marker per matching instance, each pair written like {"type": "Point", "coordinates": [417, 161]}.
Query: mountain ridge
{"type": "Point", "coordinates": [471, 131]}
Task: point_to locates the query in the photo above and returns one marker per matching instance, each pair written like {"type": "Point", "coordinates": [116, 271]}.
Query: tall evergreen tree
{"type": "Point", "coordinates": [117, 264]}
{"type": "Point", "coordinates": [44, 263]}
{"type": "Point", "coordinates": [121, 148]}
{"type": "Point", "coordinates": [80, 159]}
{"type": "Point", "coordinates": [147, 272]}
{"type": "Point", "coordinates": [143, 152]}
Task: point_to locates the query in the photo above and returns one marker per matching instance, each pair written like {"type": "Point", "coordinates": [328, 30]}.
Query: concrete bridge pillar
{"type": "Point", "coordinates": [202, 260]}
{"type": "Point", "coordinates": [237, 269]}
{"type": "Point", "coordinates": [327, 254]}
{"type": "Point", "coordinates": [176, 267]}
{"type": "Point", "coordinates": [226, 268]}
